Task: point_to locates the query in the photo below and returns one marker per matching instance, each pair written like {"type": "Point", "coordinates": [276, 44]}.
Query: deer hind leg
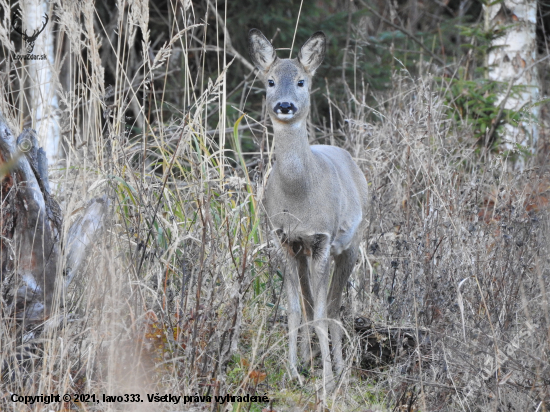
{"type": "Point", "coordinates": [300, 300]}
{"type": "Point", "coordinates": [307, 307]}
{"type": "Point", "coordinates": [294, 313]}
{"type": "Point", "coordinates": [343, 266]}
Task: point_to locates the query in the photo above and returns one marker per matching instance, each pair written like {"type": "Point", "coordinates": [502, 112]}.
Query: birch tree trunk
{"type": "Point", "coordinates": [511, 60]}
{"type": "Point", "coordinates": [44, 104]}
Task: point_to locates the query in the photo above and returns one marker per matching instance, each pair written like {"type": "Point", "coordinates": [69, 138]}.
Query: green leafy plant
{"type": "Point", "coordinates": [474, 103]}
{"type": "Point", "coordinates": [474, 100]}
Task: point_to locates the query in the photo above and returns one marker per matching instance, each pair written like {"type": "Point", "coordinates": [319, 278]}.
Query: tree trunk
{"type": "Point", "coordinates": [512, 60]}
{"type": "Point", "coordinates": [44, 104]}
{"type": "Point", "coordinates": [31, 263]}
{"type": "Point", "coordinates": [30, 225]}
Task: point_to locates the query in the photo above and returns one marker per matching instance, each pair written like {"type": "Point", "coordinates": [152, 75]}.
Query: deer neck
{"type": "Point", "coordinates": [294, 157]}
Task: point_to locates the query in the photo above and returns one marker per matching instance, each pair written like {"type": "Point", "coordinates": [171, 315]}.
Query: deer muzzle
{"type": "Point", "coordinates": [285, 110]}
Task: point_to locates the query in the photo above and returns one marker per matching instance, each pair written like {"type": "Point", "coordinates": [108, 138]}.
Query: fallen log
{"type": "Point", "coordinates": [29, 228]}
{"type": "Point", "coordinates": [31, 265]}
{"type": "Point", "coordinates": [383, 345]}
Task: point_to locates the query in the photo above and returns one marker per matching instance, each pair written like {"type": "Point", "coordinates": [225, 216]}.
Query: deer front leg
{"type": "Point", "coordinates": [321, 278]}
{"type": "Point", "coordinates": [336, 332]}
{"type": "Point", "coordinates": [294, 314]}
{"type": "Point", "coordinates": [321, 328]}
{"type": "Point", "coordinates": [307, 300]}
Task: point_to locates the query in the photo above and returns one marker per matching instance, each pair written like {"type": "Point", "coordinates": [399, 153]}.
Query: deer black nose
{"type": "Point", "coordinates": [285, 108]}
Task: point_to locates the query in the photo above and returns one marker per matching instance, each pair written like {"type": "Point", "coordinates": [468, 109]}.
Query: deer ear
{"type": "Point", "coordinates": [312, 52]}
{"type": "Point", "coordinates": [261, 51]}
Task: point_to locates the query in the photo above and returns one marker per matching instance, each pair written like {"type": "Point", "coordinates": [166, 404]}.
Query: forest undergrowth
{"type": "Point", "coordinates": [182, 294]}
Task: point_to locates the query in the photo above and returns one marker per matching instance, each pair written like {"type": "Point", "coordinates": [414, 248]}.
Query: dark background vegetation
{"type": "Point", "coordinates": [365, 49]}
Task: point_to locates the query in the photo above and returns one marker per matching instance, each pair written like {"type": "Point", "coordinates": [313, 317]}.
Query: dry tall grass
{"type": "Point", "coordinates": [456, 249]}
{"type": "Point", "coordinates": [182, 294]}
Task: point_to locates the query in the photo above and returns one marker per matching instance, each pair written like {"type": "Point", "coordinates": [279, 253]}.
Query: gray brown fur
{"type": "Point", "coordinates": [315, 199]}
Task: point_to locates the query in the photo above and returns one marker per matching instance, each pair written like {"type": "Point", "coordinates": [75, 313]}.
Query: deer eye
{"type": "Point", "coordinates": [271, 83]}
{"type": "Point", "coordinates": [301, 83]}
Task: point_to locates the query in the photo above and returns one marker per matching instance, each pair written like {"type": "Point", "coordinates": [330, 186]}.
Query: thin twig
{"type": "Point", "coordinates": [295, 29]}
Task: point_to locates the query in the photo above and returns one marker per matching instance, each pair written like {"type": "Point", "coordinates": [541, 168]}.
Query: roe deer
{"type": "Point", "coordinates": [315, 199]}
